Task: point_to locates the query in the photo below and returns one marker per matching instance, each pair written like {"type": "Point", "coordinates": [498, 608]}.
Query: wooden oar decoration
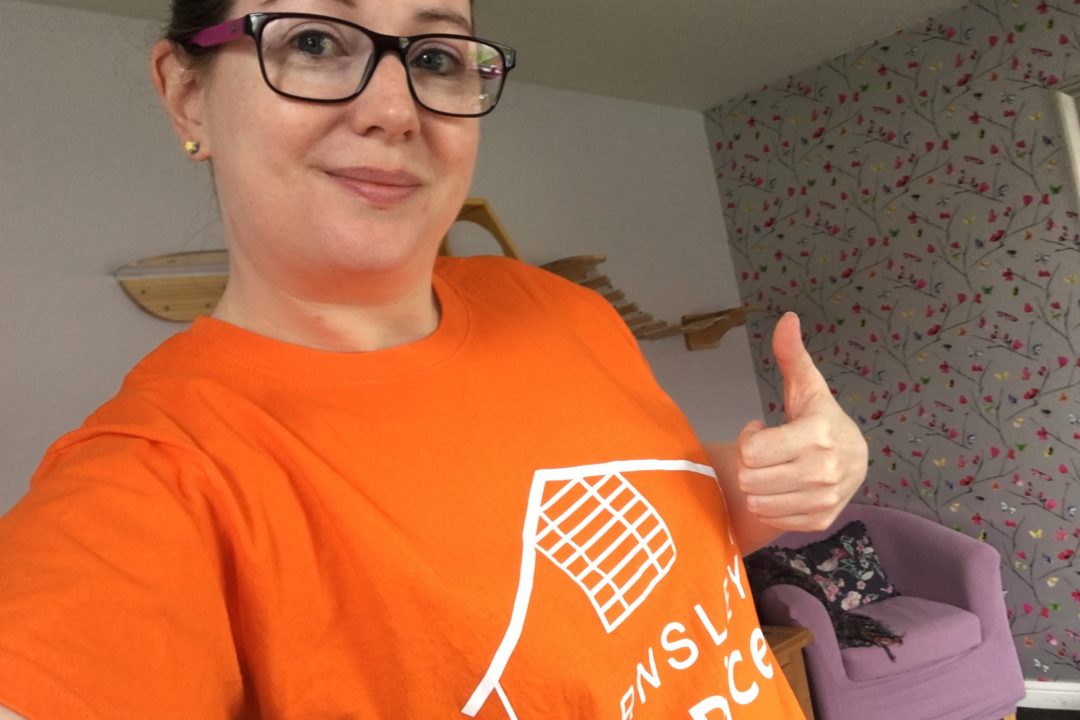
{"type": "Point", "coordinates": [701, 331]}
{"type": "Point", "coordinates": [177, 287]}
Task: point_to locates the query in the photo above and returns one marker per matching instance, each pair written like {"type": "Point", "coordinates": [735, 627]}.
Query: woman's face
{"type": "Point", "coordinates": [317, 196]}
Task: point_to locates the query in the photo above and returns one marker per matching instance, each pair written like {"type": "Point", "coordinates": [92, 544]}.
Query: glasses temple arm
{"type": "Point", "coordinates": [219, 34]}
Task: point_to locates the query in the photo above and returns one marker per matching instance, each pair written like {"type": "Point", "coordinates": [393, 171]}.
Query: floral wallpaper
{"type": "Point", "coordinates": [912, 201]}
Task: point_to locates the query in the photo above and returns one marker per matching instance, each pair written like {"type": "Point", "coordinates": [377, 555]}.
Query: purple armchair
{"type": "Point", "coordinates": [957, 661]}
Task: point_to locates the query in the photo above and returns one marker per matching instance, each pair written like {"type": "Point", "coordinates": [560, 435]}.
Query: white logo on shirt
{"type": "Point", "coordinates": [596, 527]}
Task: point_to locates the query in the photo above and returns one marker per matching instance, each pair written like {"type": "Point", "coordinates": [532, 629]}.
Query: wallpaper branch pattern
{"type": "Point", "coordinates": [912, 201]}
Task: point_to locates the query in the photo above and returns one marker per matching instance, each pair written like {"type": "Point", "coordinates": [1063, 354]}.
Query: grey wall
{"type": "Point", "coordinates": [91, 177]}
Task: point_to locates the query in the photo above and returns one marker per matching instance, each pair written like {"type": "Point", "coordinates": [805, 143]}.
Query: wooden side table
{"type": "Point", "coordinates": [787, 644]}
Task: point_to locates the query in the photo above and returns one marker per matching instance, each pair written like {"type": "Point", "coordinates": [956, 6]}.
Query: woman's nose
{"type": "Point", "coordinates": [386, 104]}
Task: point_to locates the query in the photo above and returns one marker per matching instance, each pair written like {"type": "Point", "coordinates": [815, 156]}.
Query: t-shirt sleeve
{"type": "Point", "coordinates": [112, 592]}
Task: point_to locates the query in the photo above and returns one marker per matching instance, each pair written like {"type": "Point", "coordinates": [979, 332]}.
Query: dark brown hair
{"type": "Point", "coordinates": [187, 17]}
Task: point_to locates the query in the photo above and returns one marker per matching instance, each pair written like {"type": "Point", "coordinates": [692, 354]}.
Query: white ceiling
{"type": "Point", "coordinates": [685, 53]}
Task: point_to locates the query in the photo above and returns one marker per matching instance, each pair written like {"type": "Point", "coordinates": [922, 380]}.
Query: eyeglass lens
{"type": "Point", "coordinates": [324, 60]}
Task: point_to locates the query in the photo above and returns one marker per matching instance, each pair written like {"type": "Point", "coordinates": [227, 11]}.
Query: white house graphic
{"type": "Point", "coordinates": [596, 527]}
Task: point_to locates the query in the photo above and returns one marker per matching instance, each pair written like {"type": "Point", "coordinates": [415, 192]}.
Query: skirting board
{"type": "Point", "coordinates": [1051, 695]}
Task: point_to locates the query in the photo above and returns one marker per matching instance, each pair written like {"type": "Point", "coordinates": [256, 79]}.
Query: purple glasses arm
{"type": "Point", "coordinates": [219, 34]}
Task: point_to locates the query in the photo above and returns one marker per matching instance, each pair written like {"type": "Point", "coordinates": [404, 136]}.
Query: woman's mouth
{"type": "Point", "coordinates": [381, 187]}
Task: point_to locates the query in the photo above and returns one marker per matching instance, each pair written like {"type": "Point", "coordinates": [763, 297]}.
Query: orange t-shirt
{"type": "Point", "coordinates": [506, 519]}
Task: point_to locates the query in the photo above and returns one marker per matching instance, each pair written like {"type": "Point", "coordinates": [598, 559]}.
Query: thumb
{"type": "Point", "coordinates": [803, 382]}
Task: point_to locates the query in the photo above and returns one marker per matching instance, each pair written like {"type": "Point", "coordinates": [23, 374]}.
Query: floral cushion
{"type": "Point", "coordinates": [843, 565]}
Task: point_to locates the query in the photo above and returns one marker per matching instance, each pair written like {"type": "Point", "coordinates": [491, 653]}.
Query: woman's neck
{"type": "Point", "coordinates": [378, 321]}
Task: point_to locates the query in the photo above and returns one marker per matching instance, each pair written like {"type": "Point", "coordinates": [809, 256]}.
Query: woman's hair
{"type": "Point", "coordinates": [187, 17]}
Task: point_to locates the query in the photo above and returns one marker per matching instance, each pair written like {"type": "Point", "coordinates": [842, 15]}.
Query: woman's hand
{"type": "Point", "coordinates": [802, 473]}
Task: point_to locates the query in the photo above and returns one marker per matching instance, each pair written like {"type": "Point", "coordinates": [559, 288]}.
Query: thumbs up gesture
{"type": "Point", "coordinates": [800, 474]}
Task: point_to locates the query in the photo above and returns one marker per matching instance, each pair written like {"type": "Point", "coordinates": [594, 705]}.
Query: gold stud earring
{"type": "Point", "coordinates": [192, 147]}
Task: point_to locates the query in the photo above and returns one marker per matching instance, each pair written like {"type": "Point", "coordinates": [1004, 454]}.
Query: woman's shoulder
{"type": "Point", "coordinates": [156, 405]}
{"type": "Point", "coordinates": [513, 288]}
{"type": "Point", "coordinates": [497, 275]}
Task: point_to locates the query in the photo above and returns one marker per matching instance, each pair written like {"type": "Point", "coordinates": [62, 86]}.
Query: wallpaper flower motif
{"type": "Point", "coordinates": [912, 201]}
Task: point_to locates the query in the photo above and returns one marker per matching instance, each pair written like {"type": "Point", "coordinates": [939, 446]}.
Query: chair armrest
{"type": "Point", "coordinates": [928, 560]}
{"type": "Point", "coordinates": [789, 605]}
{"type": "Point", "coordinates": [783, 604]}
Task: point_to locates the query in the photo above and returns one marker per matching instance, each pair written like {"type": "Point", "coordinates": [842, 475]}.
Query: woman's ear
{"type": "Point", "coordinates": [182, 93]}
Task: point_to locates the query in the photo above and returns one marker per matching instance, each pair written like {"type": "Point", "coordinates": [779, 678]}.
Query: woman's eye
{"type": "Point", "coordinates": [437, 60]}
{"type": "Point", "coordinates": [315, 44]}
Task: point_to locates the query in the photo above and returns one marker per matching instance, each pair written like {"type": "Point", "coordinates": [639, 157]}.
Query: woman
{"type": "Point", "coordinates": [374, 485]}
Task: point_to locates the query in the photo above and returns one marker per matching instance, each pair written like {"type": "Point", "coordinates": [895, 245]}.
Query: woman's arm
{"type": "Point", "coordinates": [750, 533]}
{"type": "Point", "coordinates": [6, 714]}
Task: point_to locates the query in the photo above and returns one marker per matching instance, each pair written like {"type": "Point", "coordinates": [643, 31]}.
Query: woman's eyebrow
{"type": "Point", "coordinates": [347, 3]}
{"type": "Point", "coordinates": [430, 15]}
{"type": "Point", "coordinates": [435, 15]}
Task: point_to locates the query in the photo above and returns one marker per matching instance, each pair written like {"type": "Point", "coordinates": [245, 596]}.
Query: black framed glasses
{"type": "Point", "coordinates": [328, 60]}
